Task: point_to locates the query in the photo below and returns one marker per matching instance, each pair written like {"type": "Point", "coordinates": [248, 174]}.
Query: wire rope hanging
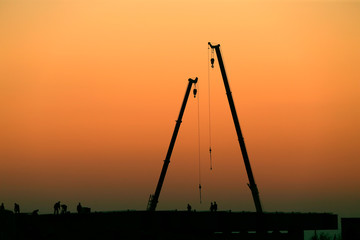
{"type": "Point", "coordinates": [199, 154]}
{"type": "Point", "coordinates": [195, 91]}
{"type": "Point", "coordinates": [212, 66]}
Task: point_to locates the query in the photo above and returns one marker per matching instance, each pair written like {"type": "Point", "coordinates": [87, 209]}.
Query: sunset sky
{"type": "Point", "coordinates": [90, 91]}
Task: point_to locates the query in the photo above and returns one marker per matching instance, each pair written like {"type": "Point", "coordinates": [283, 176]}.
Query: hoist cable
{"type": "Point", "coordinates": [198, 99]}
{"type": "Point", "coordinates": [209, 109]}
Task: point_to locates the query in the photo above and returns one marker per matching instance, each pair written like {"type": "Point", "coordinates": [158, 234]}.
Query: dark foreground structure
{"type": "Point", "coordinates": [170, 225]}
{"type": "Point", "coordinates": [350, 228]}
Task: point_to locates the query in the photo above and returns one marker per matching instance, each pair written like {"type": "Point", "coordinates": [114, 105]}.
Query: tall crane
{"type": "Point", "coordinates": [153, 200]}
{"type": "Point", "coordinates": [251, 184]}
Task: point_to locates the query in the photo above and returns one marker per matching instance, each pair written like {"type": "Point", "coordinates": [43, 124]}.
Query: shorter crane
{"type": "Point", "coordinates": [153, 200]}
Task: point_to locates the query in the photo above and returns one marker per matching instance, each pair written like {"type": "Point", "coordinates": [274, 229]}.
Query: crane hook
{"type": "Point", "coordinates": [195, 91]}
{"type": "Point", "coordinates": [212, 60]}
{"type": "Point", "coordinates": [200, 192]}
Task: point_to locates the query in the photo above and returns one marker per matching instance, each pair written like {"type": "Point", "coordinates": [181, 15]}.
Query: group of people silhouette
{"type": "Point", "coordinates": [79, 208]}
{"type": "Point", "coordinates": [16, 208]}
{"type": "Point", "coordinates": [57, 207]}
{"type": "Point", "coordinates": [213, 207]}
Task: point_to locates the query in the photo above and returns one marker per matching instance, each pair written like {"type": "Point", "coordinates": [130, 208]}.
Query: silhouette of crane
{"type": "Point", "coordinates": [251, 184]}
{"type": "Point", "coordinates": [153, 200]}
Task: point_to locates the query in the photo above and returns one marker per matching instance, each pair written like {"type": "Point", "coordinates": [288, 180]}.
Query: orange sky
{"type": "Point", "coordinates": [90, 90]}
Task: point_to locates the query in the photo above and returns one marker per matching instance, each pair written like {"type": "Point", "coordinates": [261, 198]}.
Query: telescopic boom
{"type": "Point", "coordinates": [153, 200]}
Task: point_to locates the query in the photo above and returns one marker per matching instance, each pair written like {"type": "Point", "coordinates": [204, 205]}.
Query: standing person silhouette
{"type": "Point", "coordinates": [189, 208]}
{"type": "Point", "coordinates": [16, 208]}
{"type": "Point", "coordinates": [215, 206]}
{"type": "Point", "coordinates": [56, 207]}
{"type": "Point", "coordinates": [79, 208]}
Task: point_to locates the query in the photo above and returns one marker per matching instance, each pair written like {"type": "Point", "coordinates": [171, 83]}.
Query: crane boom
{"type": "Point", "coordinates": [155, 198]}
{"type": "Point", "coordinates": [252, 185]}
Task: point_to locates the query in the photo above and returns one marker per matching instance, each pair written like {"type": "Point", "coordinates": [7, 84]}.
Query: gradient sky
{"type": "Point", "coordinates": [90, 91]}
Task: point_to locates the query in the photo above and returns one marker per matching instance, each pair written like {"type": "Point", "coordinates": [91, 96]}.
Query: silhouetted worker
{"type": "Point", "coordinates": [57, 207]}
{"type": "Point", "coordinates": [79, 208]}
{"type": "Point", "coordinates": [211, 207]}
{"type": "Point", "coordinates": [189, 208]}
{"type": "Point", "coordinates": [16, 208]}
{"type": "Point", "coordinates": [2, 207]}
{"type": "Point", "coordinates": [63, 209]}
{"type": "Point", "coordinates": [215, 206]}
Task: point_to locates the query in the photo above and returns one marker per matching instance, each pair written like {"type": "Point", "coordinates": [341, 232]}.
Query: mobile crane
{"type": "Point", "coordinates": [153, 200]}
{"type": "Point", "coordinates": [251, 184]}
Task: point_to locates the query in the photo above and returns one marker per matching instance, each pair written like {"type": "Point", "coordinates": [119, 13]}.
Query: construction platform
{"type": "Point", "coordinates": [170, 225]}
